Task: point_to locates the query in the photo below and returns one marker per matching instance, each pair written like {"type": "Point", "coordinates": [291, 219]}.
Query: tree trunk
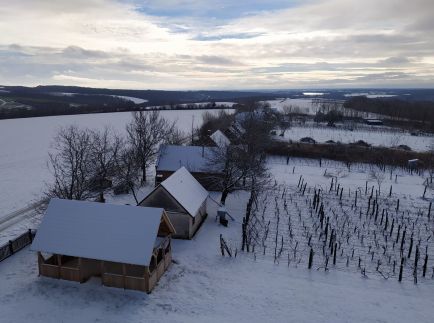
{"type": "Point", "coordinates": [134, 194]}
{"type": "Point", "coordinates": [225, 194]}
{"type": "Point", "coordinates": [143, 174]}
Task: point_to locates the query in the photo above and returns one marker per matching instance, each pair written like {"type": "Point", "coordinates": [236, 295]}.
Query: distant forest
{"type": "Point", "coordinates": [420, 111]}
{"type": "Point", "coordinates": [62, 100]}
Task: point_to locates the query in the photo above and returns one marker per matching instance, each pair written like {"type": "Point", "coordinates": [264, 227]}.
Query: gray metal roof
{"type": "Point", "coordinates": [118, 233]}
{"type": "Point", "coordinates": [193, 158]}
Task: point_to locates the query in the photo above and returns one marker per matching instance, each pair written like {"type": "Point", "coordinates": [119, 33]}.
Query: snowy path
{"type": "Point", "coordinates": [16, 216]}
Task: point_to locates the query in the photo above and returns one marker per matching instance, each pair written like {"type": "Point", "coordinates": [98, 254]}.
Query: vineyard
{"type": "Point", "coordinates": [332, 227]}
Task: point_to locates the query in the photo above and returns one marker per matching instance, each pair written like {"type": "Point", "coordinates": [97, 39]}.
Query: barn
{"type": "Point", "coordinates": [195, 158]}
{"type": "Point", "coordinates": [184, 200]}
{"type": "Point", "coordinates": [126, 246]}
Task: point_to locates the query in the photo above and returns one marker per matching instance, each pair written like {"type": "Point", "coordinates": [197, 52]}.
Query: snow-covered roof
{"type": "Point", "coordinates": [186, 190]}
{"type": "Point", "coordinates": [220, 139]}
{"type": "Point", "coordinates": [118, 233]}
{"type": "Point", "coordinates": [194, 158]}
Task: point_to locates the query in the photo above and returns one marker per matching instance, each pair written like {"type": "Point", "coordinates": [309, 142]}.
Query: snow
{"type": "Point", "coordinates": [220, 139]}
{"type": "Point", "coordinates": [194, 158]}
{"type": "Point", "coordinates": [306, 106]}
{"type": "Point", "coordinates": [25, 144]}
{"type": "Point", "coordinates": [371, 136]}
{"type": "Point", "coordinates": [202, 286]}
{"type": "Point", "coordinates": [130, 98]}
{"type": "Point", "coordinates": [99, 231]}
{"type": "Point", "coordinates": [313, 93]}
{"type": "Point", "coordinates": [370, 95]}
{"type": "Point", "coordinates": [186, 190]}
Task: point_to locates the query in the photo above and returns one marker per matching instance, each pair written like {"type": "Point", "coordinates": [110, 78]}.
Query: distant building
{"type": "Point", "coordinates": [196, 159]}
{"type": "Point", "coordinates": [374, 122]}
{"type": "Point", "coordinates": [413, 163]}
{"type": "Point", "coordinates": [184, 200]}
{"type": "Point", "coordinates": [308, 140]}
{"type": "Point", "coordinates": [220, 139]}
{"type": "Point", "coordinates": [127, 246]}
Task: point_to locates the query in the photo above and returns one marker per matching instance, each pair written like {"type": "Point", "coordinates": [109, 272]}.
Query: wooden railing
{"type": "Point", "coordinates": [17, 244]}
{"type": "Point", "coordinates": [127, 282]}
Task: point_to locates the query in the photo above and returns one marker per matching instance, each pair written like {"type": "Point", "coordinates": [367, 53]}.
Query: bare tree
{"type": "Point", "coordinates": [377, 174]}
{"type": "Point", "coordinates": [228, 160]}
{"type": "Point", "coordinates": [105, 148]}
{"type": "Point", "coordinates": [127, 170]}
{"type": "Point", "coordinates": [431, 163]}
{"type": "Point", "coordinates": [243, 165]}
{"type": "Point", "coordinates": [145, 133]}
{"type": "Point", "coordinates": [176, 137]}
{"type": "Point", "coordinates": [70, 164]}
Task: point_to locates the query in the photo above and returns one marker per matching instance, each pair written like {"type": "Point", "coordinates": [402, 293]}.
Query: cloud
{"type": "Point", "coordinates": [192, 44]}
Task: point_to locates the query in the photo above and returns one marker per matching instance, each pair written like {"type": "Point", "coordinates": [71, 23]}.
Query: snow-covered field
{"type": "Point", "coordinates": [130, 98]}
{"type": "Point", "coordinates": [287, 222]}
{"type": "Point", "coordinates": [305, 106]}
{"type": "Point", "coordinates": [372, 137]}
{"type": "Point", "coordinates": [24, 145]}
{"type": "Point", "coordinates": [260, 286]}
{"type": "Point", "coordinates": [196, 105]}
{"type": "Point", "coordinates": [202, 286]}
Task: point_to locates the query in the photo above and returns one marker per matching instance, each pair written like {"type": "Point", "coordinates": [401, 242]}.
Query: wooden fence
{"type": "Point", "coordinates": [17, 244]}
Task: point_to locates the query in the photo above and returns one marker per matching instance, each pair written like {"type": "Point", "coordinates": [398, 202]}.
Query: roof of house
{"type": "Point", "coordinates": [118, 233]}
{"type": "Point", "coordinates": [186, 190]}
{"type": "Point", "coordinates": [220, 139]}
{"type": "Point", "coordinates": [194, 158]}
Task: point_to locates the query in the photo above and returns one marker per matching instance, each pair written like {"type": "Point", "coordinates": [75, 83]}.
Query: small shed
{"type": "Point", "coordinates": [184, 200]}
{"type": "Point", "coordinates": [126, 246]}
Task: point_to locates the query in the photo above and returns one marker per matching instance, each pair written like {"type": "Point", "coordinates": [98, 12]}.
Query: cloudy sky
{"type": "Point", "coordinates": [226, 44]}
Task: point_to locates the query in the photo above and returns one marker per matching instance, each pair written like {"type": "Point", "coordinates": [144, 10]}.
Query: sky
{"type": "Point", "coordinates": [227, 44]}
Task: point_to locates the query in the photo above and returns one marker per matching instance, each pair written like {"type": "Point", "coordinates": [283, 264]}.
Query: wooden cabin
{"type": "Point", "coordinates": [126, 246]}
{"type": "Point", "coordinates": [184, 200]}
{"type": "Point", "coordinates": [197, 160]}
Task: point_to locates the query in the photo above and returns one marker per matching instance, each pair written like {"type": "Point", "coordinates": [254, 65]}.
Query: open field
{"type": "Point", "coordinates": [25, 144]}
{"type": "Point", "coordinates": [373, 137]}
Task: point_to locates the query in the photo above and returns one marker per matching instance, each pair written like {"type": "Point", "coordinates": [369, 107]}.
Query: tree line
{"type": "Point", "coordinates": [421, 111]}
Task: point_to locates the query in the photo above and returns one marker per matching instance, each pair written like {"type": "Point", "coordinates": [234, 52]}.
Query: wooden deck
{"type": "Point", "coordinates": [142, 278]}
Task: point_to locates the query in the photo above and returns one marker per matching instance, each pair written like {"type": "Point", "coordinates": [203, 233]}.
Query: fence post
{"type": "Point", "coordinates": [11, 248]}
{"type": "Point", "coordinates": [310, 258]}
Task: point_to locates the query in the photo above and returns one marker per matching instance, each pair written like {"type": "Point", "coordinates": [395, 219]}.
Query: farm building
{"type": "Point", "coordinates": [220, 139]}
{"type": "Point", "coordinates": [184, 200]}
{"type": "Point", "coordinates": [127, 246]}
{"type": "Point", "coordinates": [195, 158]}
{"type": "Point", "coordinates": [374, 122]}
